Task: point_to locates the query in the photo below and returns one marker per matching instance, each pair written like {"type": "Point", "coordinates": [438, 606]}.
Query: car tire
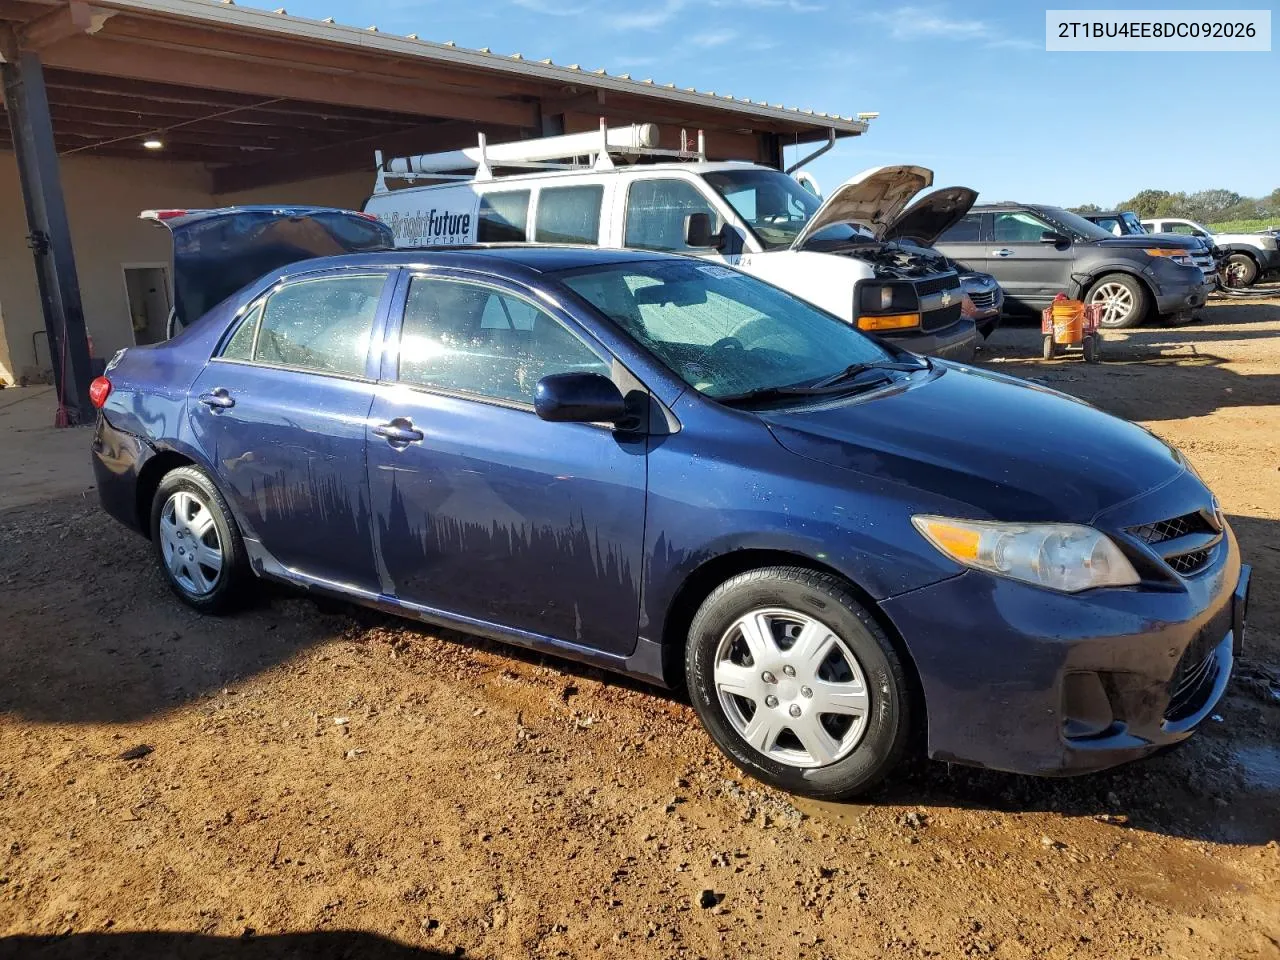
{"type": "Point", "coordinates": [191, 527]}
{"type": "Point", "coordinates": [1240, 268]}
{"type": "Point", "coordinates": [1125, 300]}
{"type": "Point", "coordinates": [815, 645]}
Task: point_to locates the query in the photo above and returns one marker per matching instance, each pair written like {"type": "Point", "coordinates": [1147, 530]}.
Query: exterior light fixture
{"type": "Point", "coordinates": [152, 143]}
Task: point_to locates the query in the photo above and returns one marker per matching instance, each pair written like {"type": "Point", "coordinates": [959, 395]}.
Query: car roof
{"type": "Point", "coordinates": [525, 257]}
{"type": "Point", "coordinates": [1014, 205]}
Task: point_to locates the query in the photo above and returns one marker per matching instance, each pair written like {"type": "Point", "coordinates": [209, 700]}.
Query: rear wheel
{"type": "Point", "coordinates": [1123, 300]}
{"type": "Point", "coordinates": [197, 541]}
{"type": "Point", "coordinates": [797, 683]}
{"type": "Point", "coordinates": [1046, 348]}
{"type": "Point", "coordinates": [1238, 271]}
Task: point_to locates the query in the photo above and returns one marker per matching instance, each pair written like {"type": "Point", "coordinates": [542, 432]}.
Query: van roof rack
{"type": "Point", "coordinates": [595, 150]}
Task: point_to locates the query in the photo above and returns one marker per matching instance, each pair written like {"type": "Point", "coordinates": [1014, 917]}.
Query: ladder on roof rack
{"type": "Point", "coordinates": [567, 152]}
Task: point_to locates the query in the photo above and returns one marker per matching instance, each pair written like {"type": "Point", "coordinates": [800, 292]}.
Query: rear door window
{"type": "Point", "coordinates": [504, 217]}
{"type": "Point", "coordinates": [968, 230]}
{"type": "Point", "coordinates": [569, 214]}
{"type": "Point", "coordinates": [656, 211]}
{"type": "Point", "coordinates": [323, 325]}
{"type": "Point", "coordinates": [1018, 227]}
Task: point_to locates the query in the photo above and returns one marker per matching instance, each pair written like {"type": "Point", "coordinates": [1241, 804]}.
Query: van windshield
{"type": "Point", "coordinates": [722, 332]}
{"type": "Point", "coordinates": [774, 206]}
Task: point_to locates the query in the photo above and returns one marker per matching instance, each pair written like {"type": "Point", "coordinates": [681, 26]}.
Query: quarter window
{"type": "Point", "coordinates": [467, 338]}
{"type": "Point", "coordinates": [656, 211]}
{"type": "Point", "coordinates": [323, 325]}
{"type": "Point", "coordinates": [503, 217]}
{"type": "Point", "coordinates": [240, 346]}
{"type": "Point", "coordinates": [1018, 227]}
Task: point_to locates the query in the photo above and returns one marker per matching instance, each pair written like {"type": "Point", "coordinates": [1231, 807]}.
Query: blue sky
{"type": "Point", "coordinates": [964, 88]}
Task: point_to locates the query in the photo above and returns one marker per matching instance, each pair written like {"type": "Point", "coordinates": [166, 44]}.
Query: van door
{"type": "Point", "coordinates": [655, 212]}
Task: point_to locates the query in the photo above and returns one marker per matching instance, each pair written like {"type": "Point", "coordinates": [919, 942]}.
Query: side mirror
{"type": "Point", "coordinates": [579, 398]}
{"type": "Point", "coordinates": [1053, 237]}
{"type": "Point", "coordinates": [697, 232]}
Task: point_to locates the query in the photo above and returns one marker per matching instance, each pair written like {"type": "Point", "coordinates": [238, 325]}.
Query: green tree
{"type": "Point", "coordinates": [1086, 208]}
{"type": "Point", "coordinates": [1207, 206]}
{"type": "Point", "coordinates": [1147, 203]}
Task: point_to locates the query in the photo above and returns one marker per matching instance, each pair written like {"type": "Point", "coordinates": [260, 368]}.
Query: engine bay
{"type": "Point", "coordinates": [891, 261]}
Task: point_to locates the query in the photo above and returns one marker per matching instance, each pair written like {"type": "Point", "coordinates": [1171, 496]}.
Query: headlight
{"type": "Point", "coordinates": [1176, 254]}
{"type": "Point", "coordinates": [1058, 556]}
{"type": "Point", "coordinates": [875, 297]}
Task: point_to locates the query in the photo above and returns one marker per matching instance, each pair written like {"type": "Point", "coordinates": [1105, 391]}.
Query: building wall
{"type": "Point", "coordinates": [104, 197]}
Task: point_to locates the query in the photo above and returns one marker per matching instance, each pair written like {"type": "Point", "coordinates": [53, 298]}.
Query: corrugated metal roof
{"type": "Point", "coordinates": [225, 13]}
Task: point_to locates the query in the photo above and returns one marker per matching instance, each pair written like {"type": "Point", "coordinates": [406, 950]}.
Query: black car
{"type": "Point", "coordinates": [1125, 223]}
{"type": "Point", "coordinates": [1037, 251]}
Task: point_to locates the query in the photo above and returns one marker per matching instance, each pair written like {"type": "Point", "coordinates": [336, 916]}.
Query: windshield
{"type": "Point", "coordinates": [720, 331]}
{"type": "Point", "coordinates": [774, 206]}
{"type": "Point", "coordinates": [1073, 223]}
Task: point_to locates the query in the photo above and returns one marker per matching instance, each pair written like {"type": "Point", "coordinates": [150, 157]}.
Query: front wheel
{"type": "Point", "coordinates": [1123, 300]}
{"type": "Point", "coordinates": [1238, 271]}
{"type": "Point", "coordinates": [797, 683]}
{"type": "Point", "coordinates": [197, 541]}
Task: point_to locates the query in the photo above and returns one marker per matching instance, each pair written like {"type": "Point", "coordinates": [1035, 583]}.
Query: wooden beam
{"type": "Point", "coordinates": [75, 18]}
{"type": "Point", "coordinates": [206, 69]}
{"type": "Point", "coordinates": [355, 155]}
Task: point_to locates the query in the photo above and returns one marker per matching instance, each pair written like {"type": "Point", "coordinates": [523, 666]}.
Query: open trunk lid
{"type": "Point", "coordinates": [931, 216]}
{"type": "Point", "coordinates": [217, 252]}
{"type": "Point", "coordinates": [871, 200]}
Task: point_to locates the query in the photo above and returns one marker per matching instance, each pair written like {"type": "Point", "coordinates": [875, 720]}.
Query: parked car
{"type": "Point", "coordinates": [1247, 257]}
{"type": "Point", "coordinates": [668, 468]}
{"type": "Point", "coordinates": [1037, 251]}
{"type": "Point", "coordinates": [1125, 223]}
{"type": "Point", "coordinates": [839, 254]}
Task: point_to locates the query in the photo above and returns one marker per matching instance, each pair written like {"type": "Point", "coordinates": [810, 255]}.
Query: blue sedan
{"type": "Point", "coordinates": [666, 468]}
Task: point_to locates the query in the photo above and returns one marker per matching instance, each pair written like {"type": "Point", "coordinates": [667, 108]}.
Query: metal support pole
{"type": "Point", "coordinates": [49, 236]}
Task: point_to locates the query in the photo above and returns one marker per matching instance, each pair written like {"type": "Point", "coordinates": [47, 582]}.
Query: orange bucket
{"type": "Point", "coordinates": [1068, 321]}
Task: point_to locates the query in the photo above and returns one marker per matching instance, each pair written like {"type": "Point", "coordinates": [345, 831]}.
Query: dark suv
{"type": "Point", "coordinates": [1037, 251]}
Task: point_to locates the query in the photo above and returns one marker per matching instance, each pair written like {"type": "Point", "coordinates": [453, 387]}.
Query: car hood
{"type": "Point", "coordinates": [931, 216]}
{"type": "Point", "coordinates": [1151, 240]}
{"type": "Point", "coordinates": [1003, 449]}
{"type": "Point", "coordinates": [217, 252]}
{"type": "Point", "coordinates": [871, 199]}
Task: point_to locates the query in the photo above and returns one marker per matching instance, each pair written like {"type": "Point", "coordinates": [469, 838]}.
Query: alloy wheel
{"type": "Point", "coordinates": [791, 688]}
{"type": "Point", "coordinates": [190, 544]}
{"type": "Point", "coordinates": [1117, 303]}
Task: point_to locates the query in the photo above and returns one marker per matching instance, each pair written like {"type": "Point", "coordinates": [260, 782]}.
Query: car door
{"type": "Point", "coordinates": [655, 215]}
{"type": "Point", "coordinates": [1030, 270]}
{"type": "Point", "coordinates": [483, 510]}
{"type": "Point", "coordinates": [963, 242]}
{"type": "Point", "coordinates": [280, 412]}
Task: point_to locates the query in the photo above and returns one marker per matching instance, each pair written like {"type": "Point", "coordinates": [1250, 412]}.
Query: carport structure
{"type": "Point", "coordinates": [255, 100]}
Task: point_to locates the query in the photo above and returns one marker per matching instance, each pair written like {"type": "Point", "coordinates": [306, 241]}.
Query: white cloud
{"type": "Point", "coordinates": [657, 15]}
{"type": "Point", "coordinates": [713, 38]}
{"type": "Point", "coordinates": [550, 8]}
{"type": "Point", "coordinates": [934, 23]}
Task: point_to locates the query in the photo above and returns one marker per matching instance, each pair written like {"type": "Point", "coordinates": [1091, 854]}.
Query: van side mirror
{"type": "Point", "coordinates": [1055, 238]}
{"type": "Point", "coordinates": [697, 232]}
{"type": "Point", "coordinates": [579, 398]}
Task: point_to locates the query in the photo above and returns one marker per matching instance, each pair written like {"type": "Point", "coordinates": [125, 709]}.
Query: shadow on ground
{"type": "Point", "coordinates": [328, 945]}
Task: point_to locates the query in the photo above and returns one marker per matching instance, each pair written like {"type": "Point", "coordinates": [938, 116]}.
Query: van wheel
{"type": "Point", "coordinates": [197, 542]}
{"type": "Point", "coordinates": [797, 683]}
{"type": "Point", "coordinates": [1123, 300]}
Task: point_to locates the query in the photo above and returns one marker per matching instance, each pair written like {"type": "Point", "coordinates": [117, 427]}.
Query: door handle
{"type": "Point", "coordinates": [1002, 252]}
{"type": "Point", "coordinates": [218, 399]}
{"type": "Point", "coordinates": [399, 431]}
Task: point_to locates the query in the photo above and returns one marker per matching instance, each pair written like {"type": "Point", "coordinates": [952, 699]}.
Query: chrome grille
{"type": "Point", "coordinates": [983, 301]}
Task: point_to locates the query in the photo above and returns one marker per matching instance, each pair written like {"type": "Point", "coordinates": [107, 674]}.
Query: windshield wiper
{"type": "Point", "coordinates": [855, 370]}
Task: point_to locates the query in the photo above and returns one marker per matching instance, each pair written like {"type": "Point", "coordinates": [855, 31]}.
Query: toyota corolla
{"type": "Point", "coordinates": [670, 469]}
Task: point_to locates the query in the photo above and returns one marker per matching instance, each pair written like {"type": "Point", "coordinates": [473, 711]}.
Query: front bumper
{"type": "Point", "coordinates": [957, 342]}
{"type": "Point", "coordinates": [1028, 681]}
{"type": "Point", "coordinates": [1180, 296]}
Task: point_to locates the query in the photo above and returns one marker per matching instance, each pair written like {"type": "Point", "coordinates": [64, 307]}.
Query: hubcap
{"type": "Point", "coordinates": [189, 542]}
{"type": "Point", "coordinates": [1117, 303]}
{"type": "Point", "coordinates": [791, 688]}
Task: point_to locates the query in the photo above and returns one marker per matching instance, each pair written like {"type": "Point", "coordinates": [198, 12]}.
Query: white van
{"type": "Point", "coordinates": [840, 254]}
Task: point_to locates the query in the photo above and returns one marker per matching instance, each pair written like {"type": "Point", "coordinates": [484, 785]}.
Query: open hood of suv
{"type": "Point", "coordinates": [870, 200]}
{"type": "Point", "coordinates": [216, 252]}
{"type": "Point", "coordinates": [931, 216]}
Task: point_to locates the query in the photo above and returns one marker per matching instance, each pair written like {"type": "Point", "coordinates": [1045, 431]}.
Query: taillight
{"type": "Point", "coordinates": [99, 390]}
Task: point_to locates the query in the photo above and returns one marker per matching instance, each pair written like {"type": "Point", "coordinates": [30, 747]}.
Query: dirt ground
{"type": "Point", "coordinates": [314, 780]}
